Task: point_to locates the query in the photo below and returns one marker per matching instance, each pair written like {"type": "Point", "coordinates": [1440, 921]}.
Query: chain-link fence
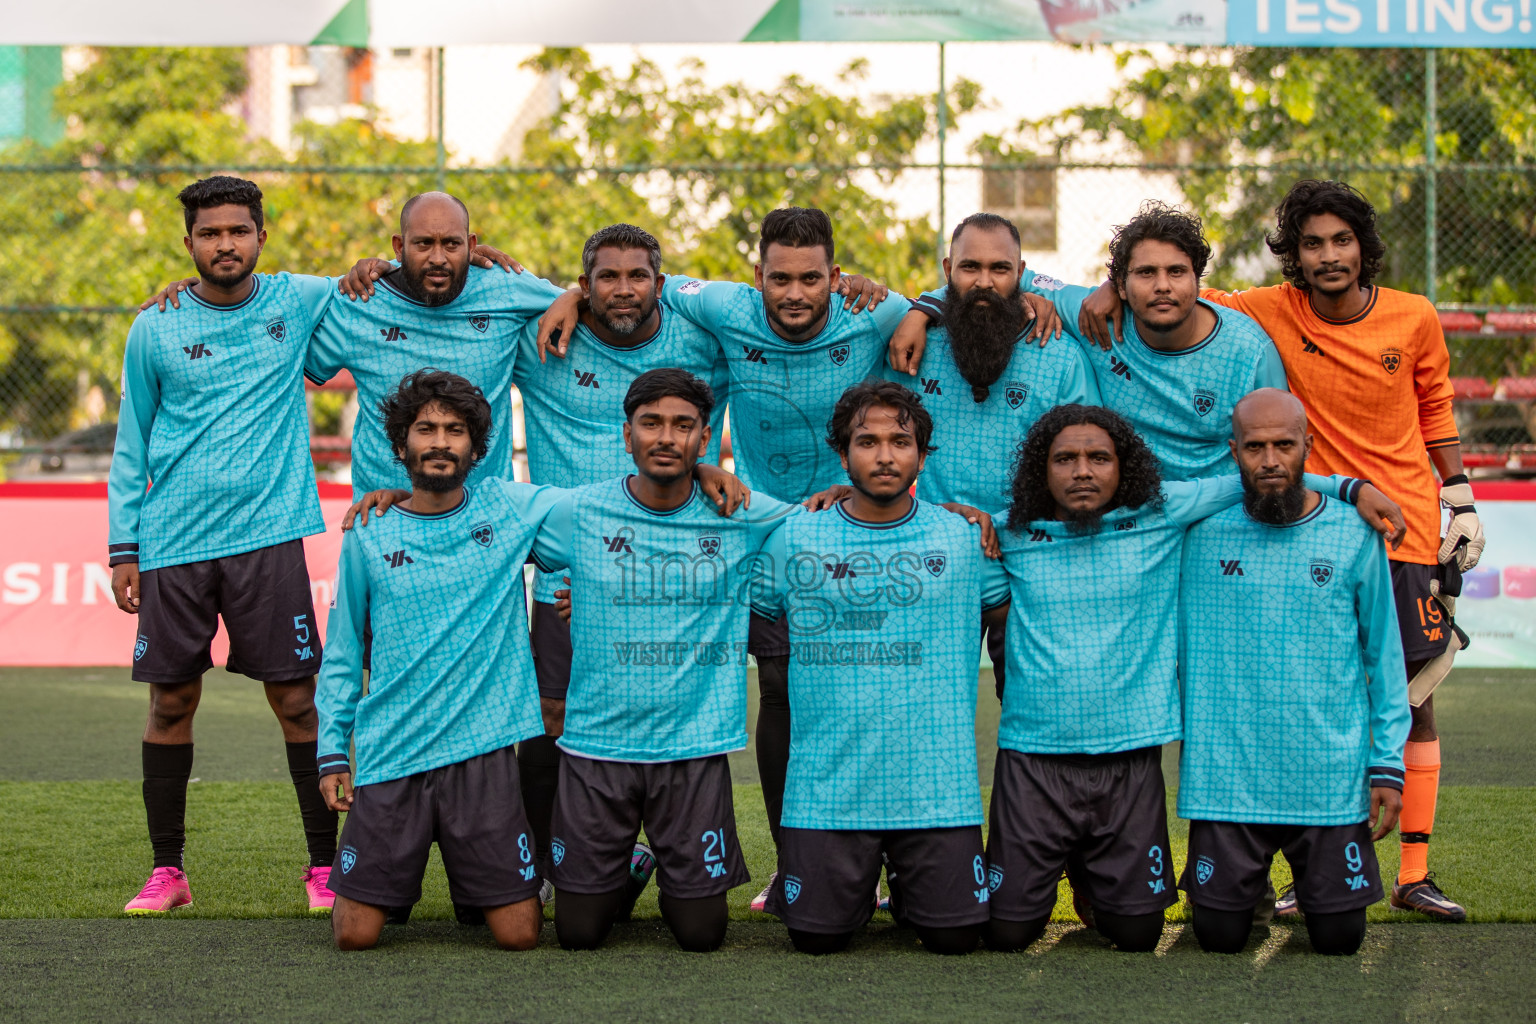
{"type": "Point", "coordinates": [92, 224]}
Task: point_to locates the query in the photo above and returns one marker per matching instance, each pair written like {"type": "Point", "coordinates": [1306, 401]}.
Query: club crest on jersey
{"type": "Point", "coordinates": [1015, 393]}
{"type": "Point", "coordinates": [710, 544]}
{"type": "Point", "coordinates": [483, 533]}
{"type": "Point", "coordinates": [994, 877]}
{"type": "Point", "coordinates": [140, 646]}
{"type": "Point", "coordinates": [348, 859]}
{"type": "Point", "coordinates": [1204, 869]}
{"type": "Point", "coordinates": [1391, 359]}
{"type": "Point", "coordinates": [480, 322]}
{"type": "Point", "coordinates": [1204, 400]}
{"type": "Point", "coordinates": [1322, 572]}
{"type": "Point", "coordinates": [277, 329]}
{"type": "Point", "coordinates": [934, 562]}
{"type": "Point", "coordinates": [557, 849]}
{"type": "Point", "coordinates": [839, 355]}
{"type": "Point", "coordinates": [791, 888]}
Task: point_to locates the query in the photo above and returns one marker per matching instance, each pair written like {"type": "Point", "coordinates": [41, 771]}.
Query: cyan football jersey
{"type": "Point", "coordinates": [977, 442]}
{"type": "Point", "coordinates": [383, 339]}
{"type": "Point", "coordinates": [882, 673]}
{"type": "Point", "coordinates": [212, 453]}
{"type": "Point", "coordinates": [783, 392]}
{"type": "Point", "coordinates": [1092, 628]}
{"type": "Point", "coordinates": [1179, 402]}
{"type": "Point", "coordinates": [1292, 670]}
{"type": "Point", "coordinates": [451, 675]}
{"type": "Point", "coordinates": [659, 609]}
{"type": "Point", "coordinates": [573, 408]}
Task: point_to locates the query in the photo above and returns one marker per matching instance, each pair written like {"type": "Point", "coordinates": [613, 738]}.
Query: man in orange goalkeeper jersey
{"type": "Point", "coordinates": [1371, 367]}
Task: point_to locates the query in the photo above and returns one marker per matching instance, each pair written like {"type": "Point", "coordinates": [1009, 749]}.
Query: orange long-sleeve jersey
{"type": "Point", "coordinates": [1377, 392]}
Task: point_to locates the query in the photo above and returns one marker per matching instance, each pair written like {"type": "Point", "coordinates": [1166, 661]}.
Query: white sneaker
{"type": "Point", "coordinates": [760, 901]}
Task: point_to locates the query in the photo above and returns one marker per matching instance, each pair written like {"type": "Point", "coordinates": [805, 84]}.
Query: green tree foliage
{"type": "Point", "coordinates": [1246, 123]}
{"type": "Point", "coordinates": [104, 237]}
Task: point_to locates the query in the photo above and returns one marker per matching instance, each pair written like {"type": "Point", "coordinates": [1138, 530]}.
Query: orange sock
{"type": "Point", "coordinates": [1421, 784]}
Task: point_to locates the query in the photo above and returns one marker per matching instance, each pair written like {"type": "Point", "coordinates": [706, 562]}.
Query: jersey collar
{"type": "Point", "coordinates": [446, 514]}
{"type": "Point", "coordinates": [624, 488]}
{"type": "Point", "coordinates": [1322, 503]}
{"type": "Point", "coordinates": [255, 290]}
{"type": "Point", "coordinates": [866, 524]}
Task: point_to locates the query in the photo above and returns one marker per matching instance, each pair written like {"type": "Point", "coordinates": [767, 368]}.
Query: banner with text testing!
{"type": "Point", "coordinates": [56, 604]}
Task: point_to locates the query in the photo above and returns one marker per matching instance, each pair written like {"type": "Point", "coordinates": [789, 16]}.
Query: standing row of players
{"type": "Point", "coordinates": [787, 350]}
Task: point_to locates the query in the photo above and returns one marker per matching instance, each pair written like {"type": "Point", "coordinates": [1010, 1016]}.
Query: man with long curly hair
{"type": "Point", "coordinates": [1091, 549]}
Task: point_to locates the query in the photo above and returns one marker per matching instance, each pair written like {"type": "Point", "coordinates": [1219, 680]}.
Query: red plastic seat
{"type": "Point", "coordinates": [1471, 387]}
{"type": "Point", "coordinates": [1459, 321]}
{"type": "Point", "coordinates": [1513, 323]}
{"type": "Point", "coordinates": [1518, 389]}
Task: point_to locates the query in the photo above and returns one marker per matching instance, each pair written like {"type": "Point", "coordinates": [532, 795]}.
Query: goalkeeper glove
{"type": "Point", "coordinates": [1463, 538]}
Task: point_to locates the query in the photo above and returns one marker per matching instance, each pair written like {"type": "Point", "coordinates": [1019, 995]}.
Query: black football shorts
{"type": "Point", "coordinates": [1334, 866]}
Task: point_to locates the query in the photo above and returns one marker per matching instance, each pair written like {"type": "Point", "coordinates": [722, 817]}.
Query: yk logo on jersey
{"type": "Point", "coordinates": [934, 561]}
{"type": "Point", "coordinates": [480, 322]}
{"type": "Point", "coordinates": [791, 888]}
{"type": "Point", "coordinates": [710, 544]}
{"type": "Point", "coordinates": [839, 355]}
{"type": "Point", "coordinates": [1204, 869]}
{"type": "Point", "coordinates": [277, 329]}
{"type": "Point", "coordinates": [483, 533]}
{"type": "Point", "coordinates": [1204, 400]}
{"type": "Point", "coordinates": [557, 849]}
{"type": "Point", "coordinates": [1322, 572]}
{"type": "Point", "coordinates": [1015, 393]}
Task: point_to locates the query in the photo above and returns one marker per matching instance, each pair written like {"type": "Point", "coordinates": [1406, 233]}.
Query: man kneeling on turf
{"type": "Point", "coordinates": [882, 594]}
{"type": "Point", "coordinates": [452, 683]}
{"type": "Point", "coordinates": [1295, 713]}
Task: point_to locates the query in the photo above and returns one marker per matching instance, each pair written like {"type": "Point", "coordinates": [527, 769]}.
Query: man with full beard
{"type": "Point", "coordinates": [981, 381]}
{"type": "Point", "coordinates": [1295, 714]}
{"type": "Point", "coordinates": [1091, 549]}
{"type": "Point", "coordinates": [211, 491]}
{"type": "Point", "coordinates": [1184, 362]}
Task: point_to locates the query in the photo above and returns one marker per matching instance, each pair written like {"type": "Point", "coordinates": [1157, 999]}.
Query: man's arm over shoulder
{"type": "Point", "coordinates": [129, 475]}
{"type": "Point", "coordinates": [554, 544]}
{"type": "Point", "coordinates": [1382, 651]}
{"type": "Point", "coordinates": [701, 302]}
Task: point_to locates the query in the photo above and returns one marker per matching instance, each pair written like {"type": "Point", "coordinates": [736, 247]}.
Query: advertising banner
{"type": "Point", "coordinates": [56, 604]}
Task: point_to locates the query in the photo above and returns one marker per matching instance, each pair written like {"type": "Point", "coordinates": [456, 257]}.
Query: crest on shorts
{"type": "Point", "coordinates": [1015, 392]}
{"type": "Point", "coordinates": [791, 888]}
{"type": "Point", "coordinates": [839, 355]}
{"type": "Point", "coordinates": [483, 533]}
{"type": "Point", "coordinates": [994, 877]}
{"type": "Point", "coordinates": [1322, 572]}
{"type": "Point", "coordinates": [1204, 400]}
{"type": "Point", "coordinates": [277, 329]}
{"type": "Point", "coordinates": [557, 849]}
{"type": "Point", "coordinates": [1204, 869]}
{"type": "Point", "coordinates": [710, 544]}
{"type": "Point", "coordinates": [348, 859]}
{"type": "Point", "coordinates": [140, 646]}
{"type": "Point", "coordinates": [934, 562]}
{"type": "Point", "coordinates": [480, 322]}
{"type": "Point", "coordinates": [1391, 359]}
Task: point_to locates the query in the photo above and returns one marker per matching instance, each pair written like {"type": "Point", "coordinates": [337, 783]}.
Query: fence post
{"type": "Point", "coordinates": [1431, 130]}
{"type": "Point", "coordinates": [442, 150]}
{"type": "Point", "coordinates": [943, 99]}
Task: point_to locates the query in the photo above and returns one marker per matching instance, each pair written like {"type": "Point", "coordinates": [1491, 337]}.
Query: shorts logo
{"type": "Point", "coordinates": [710, 544]}
{"type": "Point", "coordinates": [557, 849]}
{"type": "Point", "coordinates": [1204, 869]}
{"type": "Point", "coordinates": [994, 877]}
{"type": "Point", "coordinates": [1322, 572]}
{"type": "Point", "coordinates": [140, 646]}
{"type": "Point", "coordinates": [480, 322]}
{"type": "Point", "coordinates": [1204, 400]}
{"type": "Point", "coordinates": [277, 329]}
{"type": "Point", "coordinates": [839, 355]}
{"type": "Point", "coordinates": [934, 562]}
{"type": "Point", "coordinates": [483, 533]}
{"type": "Point", "coordinates": [348, 859]}
{"type": "Point", "coordinates": [1014, 393]}
{"type": "Point", "coordinates": [1391, 359]}
{"type": "Point", "coordinates": [791, 888]}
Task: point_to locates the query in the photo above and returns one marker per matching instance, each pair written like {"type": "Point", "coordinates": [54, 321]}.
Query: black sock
{"type": "Point", "coordinates": [773, 735]}
{"type": "Point", "coordinates": [319, 820]}
{"type": "Point", "coordinates": [538, 770]}
{"type": "Point", "coordinates": [167, 766]}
